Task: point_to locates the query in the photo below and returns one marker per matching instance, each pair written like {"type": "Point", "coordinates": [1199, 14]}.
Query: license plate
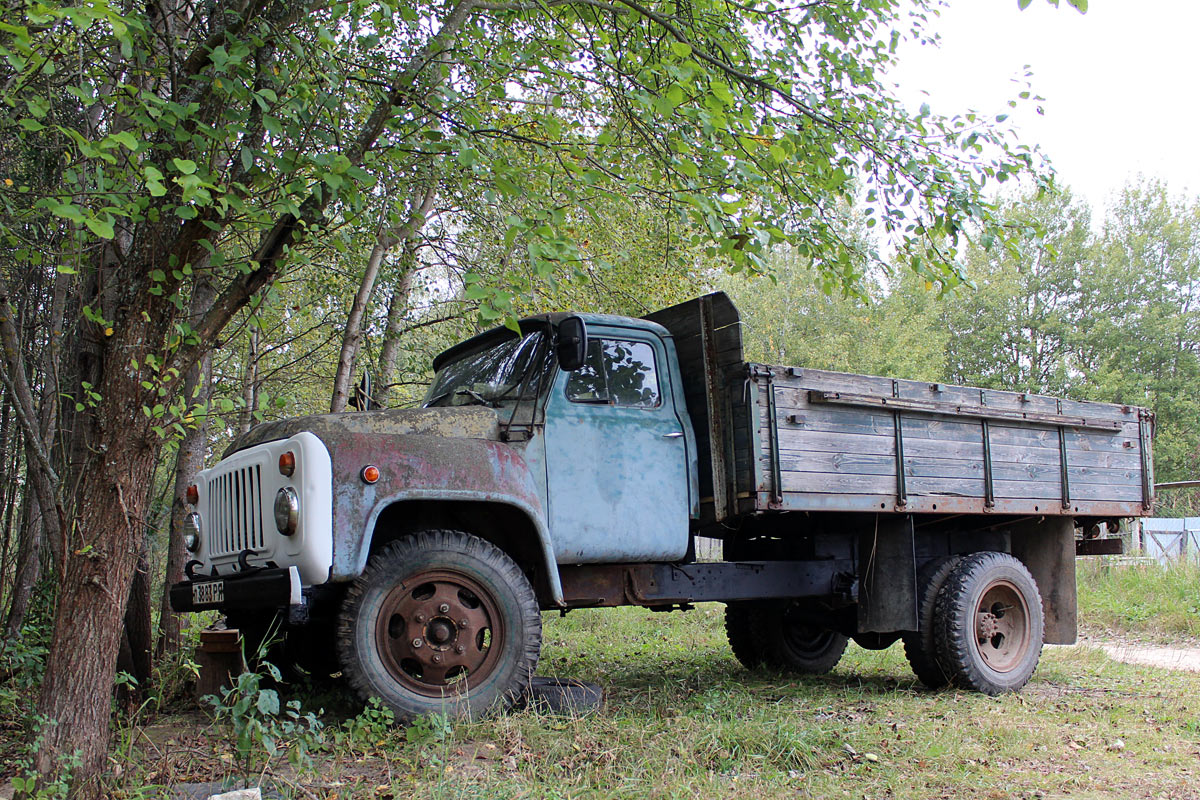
{"type": "Point", "coordinates": [209, 593]}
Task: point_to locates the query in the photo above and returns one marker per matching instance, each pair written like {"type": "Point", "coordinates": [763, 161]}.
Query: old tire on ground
{"type": "Point", "coordinates": [563, 696]}
{"type": "Point", "coordinates": [792, 641]}
{"type": "Point", "coordinates": [919, 646]}
{"type": "Point", "coordinates": [441, 621]}
{"type": "Point", "coordinates": [988, 624]}
{"type": "Point", "coordinates": [744, 639]}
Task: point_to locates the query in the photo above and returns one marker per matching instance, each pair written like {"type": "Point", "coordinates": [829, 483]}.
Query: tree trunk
{"type": "Point", "coordinates": [29, 567]}
{"type": "Point", "coordinates": [136, 641]}
{"type": "Point", "coordinates": [249, 385]}
{"type": "Point", "coordinates": [398, 302]}
{"type": "Point", "coordinates": [94, 587]}
{"type": "Point", "coordinates": [189, 460]}
{"type": "Point", "coordinates": [352, 335]}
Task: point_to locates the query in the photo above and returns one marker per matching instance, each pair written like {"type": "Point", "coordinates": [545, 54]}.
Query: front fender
{"type": "Point", "coordinates": [418, 467]}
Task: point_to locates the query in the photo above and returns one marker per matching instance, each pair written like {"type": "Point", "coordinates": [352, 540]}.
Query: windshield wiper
{"type": "Point", "coordinates": [433, 401]}
{"type": "Point", "coordinates": [471, 393]}
{"type": "Point", "coordinates": [476, 396]}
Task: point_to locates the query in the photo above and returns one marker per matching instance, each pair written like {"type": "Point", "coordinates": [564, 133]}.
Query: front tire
{"type": "Point", "coordinates": [988, 624]}
{"type": "Point", "coordinates": [440, 622]}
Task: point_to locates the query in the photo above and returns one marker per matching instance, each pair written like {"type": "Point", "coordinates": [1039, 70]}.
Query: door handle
{"type": "Point", "coordinates": [674, 435]}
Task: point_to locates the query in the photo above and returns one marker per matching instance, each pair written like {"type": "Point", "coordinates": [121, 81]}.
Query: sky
{"type": "Point", "coordinates": [1119, 82]}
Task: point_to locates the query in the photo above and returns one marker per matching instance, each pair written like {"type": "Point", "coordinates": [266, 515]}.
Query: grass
{"type": "Point", "coordinates": [684, 720]}
{"type": "Point", "coordinates": [1143, 601]}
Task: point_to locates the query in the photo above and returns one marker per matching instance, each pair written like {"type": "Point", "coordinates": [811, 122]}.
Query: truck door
{"type": "Point", "coordinates": [616, 456]}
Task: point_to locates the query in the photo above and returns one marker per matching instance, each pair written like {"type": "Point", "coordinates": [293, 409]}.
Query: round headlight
{"type": "Point", "coordinates": [191, 532]}
{"type": "Point", "coordinates": [287, 511]}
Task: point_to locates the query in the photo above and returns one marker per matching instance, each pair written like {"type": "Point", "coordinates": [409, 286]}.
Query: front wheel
{"type": "Point", "coordinates": [988, 624]}
{"type": "Point", "coordinates": [441, 621]}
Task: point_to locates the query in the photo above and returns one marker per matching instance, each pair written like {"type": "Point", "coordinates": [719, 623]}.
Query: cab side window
{"type": "Point", "coordinates": [617, 372]}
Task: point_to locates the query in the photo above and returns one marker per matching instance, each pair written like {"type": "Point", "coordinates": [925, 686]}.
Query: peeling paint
{"type": "Point", "coordinates": [468, 422]}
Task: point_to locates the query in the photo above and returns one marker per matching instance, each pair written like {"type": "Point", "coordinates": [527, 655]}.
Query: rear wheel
{"type": "Point", "coordinates": [918, 645]}
{"type": "Point", "coordinates": [782, 634]}
{"type": "Point", "coordinates": [744, 640]}
{"type": "Point", "coordinates": [441, 621]}
{"type": "Point", "coordinates": [988, 624]}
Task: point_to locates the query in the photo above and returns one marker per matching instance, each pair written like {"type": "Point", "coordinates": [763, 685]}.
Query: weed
{"type": "Point", "coordinates": [261, 725]}
{"type": "Point", "coordinates": [1152, 601]}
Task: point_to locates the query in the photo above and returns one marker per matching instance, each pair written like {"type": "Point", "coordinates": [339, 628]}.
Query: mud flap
{"type": "Point", "coordinates": [1047, 548]}
{"type": "Point", "coordinates": [887, 575]}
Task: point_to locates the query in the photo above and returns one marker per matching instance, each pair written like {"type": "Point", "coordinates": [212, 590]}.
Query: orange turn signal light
{"type": "Point", "coordinates": [370, 474]}
{"type": "Point", "coordinates": [192, 495]}
{"type": "Point", "coordinates": [287, 463]}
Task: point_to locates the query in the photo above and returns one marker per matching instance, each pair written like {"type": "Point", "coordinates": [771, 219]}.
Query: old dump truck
{"type": "Point", "coordinates": [575, 464]}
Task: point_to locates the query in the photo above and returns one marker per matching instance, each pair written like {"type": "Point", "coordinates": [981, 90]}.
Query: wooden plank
{"type": "Point", "coordinates": [792, 403]}
{"type": "Point", "coordinates": [825, 380]}
{"type": "Point", "coordinates": [940, 434]}
{"type": "Point", "coordinates": [684, 319]}
{"type": "Point", "coordinates": [853, 464]}
{"type": "Point", "coordinates": [796, 444]}
{"type": "Point", "coordinates": [974, 411]}
{"type": "Point", "coordinates": [952, 487]}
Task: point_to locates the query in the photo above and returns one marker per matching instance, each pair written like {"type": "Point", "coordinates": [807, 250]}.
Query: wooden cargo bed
{"type": "Point", "coordinates": [798, 439]}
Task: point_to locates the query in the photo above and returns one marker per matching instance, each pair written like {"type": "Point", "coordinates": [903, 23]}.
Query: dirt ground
{"type": "Point", "coordinates": [1186, 658]}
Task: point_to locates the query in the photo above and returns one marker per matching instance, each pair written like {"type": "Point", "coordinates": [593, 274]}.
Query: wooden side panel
{"type": "Point", "coordinates": [708, 341]}
{"type": "Point", "coordinates": [987, 457]}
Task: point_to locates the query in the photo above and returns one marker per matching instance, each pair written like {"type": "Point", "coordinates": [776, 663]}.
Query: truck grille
{"type": "Point", "coordinates": [235, 511]}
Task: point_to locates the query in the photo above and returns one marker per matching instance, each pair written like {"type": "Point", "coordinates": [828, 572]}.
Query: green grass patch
{"type": "Point", "coordinates": [684, 720]}
{"type": "Point", "coordinates": [1147, 601]}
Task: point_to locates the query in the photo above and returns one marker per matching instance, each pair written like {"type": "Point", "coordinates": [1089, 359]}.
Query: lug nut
{"type": "Point", "coordinates": [437, 659]}
{"type": "Point", "coordinates": [444, 608]}
{"type": "Point", "coordinates": [462, 623]}
{"type": "Point", "coordinates": [417, 642]}
{"type": "Point", "coordinates": [460, 648]}
{"type": "Point", "coordinates": [419, 617]}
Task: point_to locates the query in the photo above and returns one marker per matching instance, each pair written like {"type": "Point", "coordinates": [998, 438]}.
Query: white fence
{"type": "Point", "coordinates": [1168, 539]}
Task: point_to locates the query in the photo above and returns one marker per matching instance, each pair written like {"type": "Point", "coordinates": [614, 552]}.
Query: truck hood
{"type": "Point", "coordinates": [464, 422]}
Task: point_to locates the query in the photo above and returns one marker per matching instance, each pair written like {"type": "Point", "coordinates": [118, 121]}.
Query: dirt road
{"type": "Point", "coordinates": [1185, 658]}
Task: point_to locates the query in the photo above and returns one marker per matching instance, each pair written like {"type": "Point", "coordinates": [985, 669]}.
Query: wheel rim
{"type": "Point", "coordinates": [439, 632]}
{"type": "Point", "coordinates": [803, 638]}
{"type": "Point", "coordinates": [1003, 626]}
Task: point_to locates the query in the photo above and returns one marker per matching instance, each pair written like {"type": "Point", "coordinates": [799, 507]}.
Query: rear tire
{"type": "Point", "coordinates": [440, 622]}
{"type": "Point", "coordinates": [919, 645]}
{"type": "Point", "coordinates": [792, 642]}
{"type": "Point", "coordinates": [988, 624]}
{"type": "Point", "coordinates": [744, 640]}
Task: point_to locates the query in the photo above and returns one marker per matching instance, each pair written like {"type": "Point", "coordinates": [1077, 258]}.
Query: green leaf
{"type": "Point", "coordinates": [68, 211]}
{"type": "Point", "coordinates": [102, 228]}
{"type": "Point", "coordinates": [681, 49]}
{"type": "Point", "coordinates": [186, 166]}
{"type": "Point", "coordinates": [126, 139]}
{"type": "Point", "coordinates": [268, 702]}
{"type": "Point", "coordinates": [721, 91]}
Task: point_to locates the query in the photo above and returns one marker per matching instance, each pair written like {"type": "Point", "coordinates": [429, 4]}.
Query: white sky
{"type": "Point", "coordinates": [1120, 84]}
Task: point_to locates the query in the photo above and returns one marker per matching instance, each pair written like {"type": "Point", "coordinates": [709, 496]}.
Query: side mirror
{"type": "Point", "coordinates": [571, 345]}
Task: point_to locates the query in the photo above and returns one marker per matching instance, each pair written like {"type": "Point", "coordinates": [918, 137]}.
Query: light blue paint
{"type": "Point", "coordinates": [620, 480]}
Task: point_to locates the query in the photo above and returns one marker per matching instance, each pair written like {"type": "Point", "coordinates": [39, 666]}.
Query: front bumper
{"type": "Point", "coordinates": [260, 589]}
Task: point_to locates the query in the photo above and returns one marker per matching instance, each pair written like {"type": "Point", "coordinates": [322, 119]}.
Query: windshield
{"type": "Point", "coordinates": [493, 376]}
